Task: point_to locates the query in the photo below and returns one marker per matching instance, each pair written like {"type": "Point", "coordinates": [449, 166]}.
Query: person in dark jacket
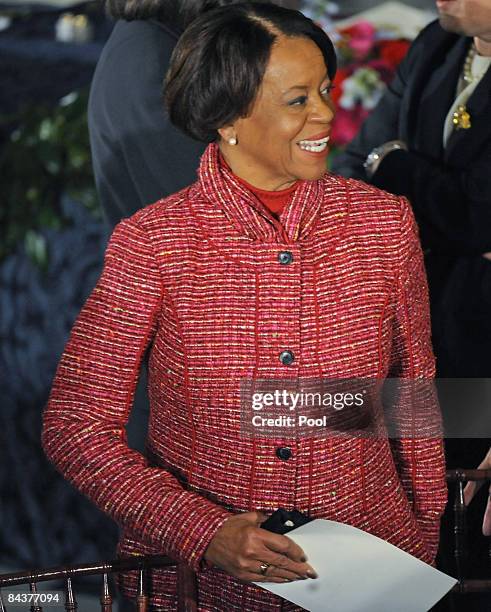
{"type": "Point", "coordinates": [419, 144]}
{"type": "Point", "coordinates": [138, 156]}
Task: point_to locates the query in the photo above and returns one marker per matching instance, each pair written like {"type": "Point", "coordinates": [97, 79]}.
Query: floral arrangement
{"type": "Point", "coordinates": [367, 63]}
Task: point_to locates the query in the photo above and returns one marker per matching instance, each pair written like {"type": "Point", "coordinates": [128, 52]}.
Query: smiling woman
{"type": "Point", "coordinates": [267, 268]}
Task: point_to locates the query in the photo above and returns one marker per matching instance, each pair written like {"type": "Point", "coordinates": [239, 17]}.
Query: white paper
{"type": "Point", "coordinates": [359, 572]}
{"type": "Point", "coordinates": [400, 19]}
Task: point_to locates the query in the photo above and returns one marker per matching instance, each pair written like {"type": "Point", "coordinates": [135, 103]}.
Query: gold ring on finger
{"type": "Point", "coordinates": [263, 568]}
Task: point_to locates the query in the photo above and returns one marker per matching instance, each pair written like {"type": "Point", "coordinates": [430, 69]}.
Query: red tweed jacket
{"type": "Point", "coordinates": [197, 278]}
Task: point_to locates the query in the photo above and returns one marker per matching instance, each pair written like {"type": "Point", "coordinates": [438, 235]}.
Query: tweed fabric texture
{"type": "Point", "coordinates": [195, 279]}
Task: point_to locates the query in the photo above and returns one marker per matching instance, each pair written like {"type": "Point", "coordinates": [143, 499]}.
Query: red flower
{"type": "Point", "coordinates": [346, 125]}
{"type": "Point", "coordinates": [393, 51]}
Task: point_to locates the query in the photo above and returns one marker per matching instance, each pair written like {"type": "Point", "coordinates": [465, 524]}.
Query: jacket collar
{"type": "Point", "coordinates": [248, 214]}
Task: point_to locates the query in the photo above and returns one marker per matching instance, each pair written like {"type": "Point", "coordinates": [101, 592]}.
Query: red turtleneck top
{"type": "Point", "coordinates": [275, 201]}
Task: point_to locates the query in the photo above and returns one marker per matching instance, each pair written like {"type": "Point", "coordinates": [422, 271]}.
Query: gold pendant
{"type": "Point", "coordinates": [461, 119]}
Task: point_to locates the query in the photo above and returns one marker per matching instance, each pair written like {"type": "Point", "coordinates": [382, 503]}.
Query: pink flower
{"type": "Point", "coordinates": [360, 38]}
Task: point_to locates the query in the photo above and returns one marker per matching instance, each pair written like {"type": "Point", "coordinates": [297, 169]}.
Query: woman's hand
{"type": "Point", "coordinates": [240, 546]}
{"type": "Point", "coordinates": [472, 487]}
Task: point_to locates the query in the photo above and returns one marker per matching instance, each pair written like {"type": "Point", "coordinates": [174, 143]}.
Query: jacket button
{"type": "Point", "coordinates": [287, 358]}
{"type": "Point", "coordinates": [285, 257]}
{"type": "Point", "coordinates": [284, 453]}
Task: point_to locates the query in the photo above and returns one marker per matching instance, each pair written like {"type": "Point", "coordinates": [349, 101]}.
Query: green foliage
{"type": "Point", "coordinates": [47, 155]}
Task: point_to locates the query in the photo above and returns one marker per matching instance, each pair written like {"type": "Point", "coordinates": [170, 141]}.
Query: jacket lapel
{"type": "Point", "coordinates": [299, 215]}
{"type": "Point", "coordinates": [437, 97]}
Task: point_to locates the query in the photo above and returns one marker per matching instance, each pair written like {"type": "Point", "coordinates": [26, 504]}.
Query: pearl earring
{"type": "Point", "coordinates": [232, 141]}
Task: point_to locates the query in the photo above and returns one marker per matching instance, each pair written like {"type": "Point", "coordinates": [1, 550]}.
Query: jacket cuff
{"type": "Point", "coordinates": [430, 530]}
{"type": "Point", "coordinates": [190, 523]}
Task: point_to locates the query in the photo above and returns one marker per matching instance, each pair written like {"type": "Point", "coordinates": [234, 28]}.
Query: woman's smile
{"type": "Point", "coordinates": [317, 145]}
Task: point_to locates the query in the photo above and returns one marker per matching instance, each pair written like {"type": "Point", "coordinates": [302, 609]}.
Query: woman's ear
{"type": "Point", "coordinates": [228, 135]}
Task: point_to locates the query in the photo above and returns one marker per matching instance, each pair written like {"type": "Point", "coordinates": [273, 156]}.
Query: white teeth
{"type": "Point", "coordinates": [316, 146]}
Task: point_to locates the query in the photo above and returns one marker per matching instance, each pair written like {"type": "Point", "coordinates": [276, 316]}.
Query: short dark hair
{"type": "Point", "coordinates": [176, 13]}
{"type": "Point", "coordinates": [219, 63]}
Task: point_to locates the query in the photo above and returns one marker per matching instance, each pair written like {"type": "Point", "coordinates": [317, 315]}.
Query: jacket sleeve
{"type": "Point", "coordinates": [450, 204]}
{"type": "Point", "coordinates": [416, 424]}
{"type": "Point", "coordinates": [84, 421]}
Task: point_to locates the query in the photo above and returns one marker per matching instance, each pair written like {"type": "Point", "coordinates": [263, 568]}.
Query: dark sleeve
{"type": "Point", "coordinates": [138, 156]}
{"type": "Point", "coordinates": [451, 205]}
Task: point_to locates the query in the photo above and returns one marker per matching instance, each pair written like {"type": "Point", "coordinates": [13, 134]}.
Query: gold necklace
{"type": "Point", "coordinates": [461, 118]}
